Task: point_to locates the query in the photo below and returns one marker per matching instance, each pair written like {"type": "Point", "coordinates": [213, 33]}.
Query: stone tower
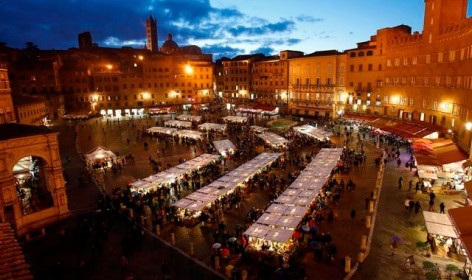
{"type": "Point", "coordinates": [440, 14]}
{"type": "Point", "coordinates": [151, 34]}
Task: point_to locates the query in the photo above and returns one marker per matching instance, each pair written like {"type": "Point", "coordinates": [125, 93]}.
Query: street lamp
{"type": "Point", "coordinates": [188, 69]}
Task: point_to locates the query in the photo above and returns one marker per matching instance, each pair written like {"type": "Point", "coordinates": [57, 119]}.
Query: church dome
{"type": "Point", "coordinates": [169, 45]}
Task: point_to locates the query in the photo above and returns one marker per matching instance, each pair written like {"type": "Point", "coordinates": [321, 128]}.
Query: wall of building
{"type": "Point", "coordinates": [7, 113]}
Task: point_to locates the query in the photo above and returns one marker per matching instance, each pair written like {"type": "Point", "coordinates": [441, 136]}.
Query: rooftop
{"type": "Point", "coordinates": [15, 130]}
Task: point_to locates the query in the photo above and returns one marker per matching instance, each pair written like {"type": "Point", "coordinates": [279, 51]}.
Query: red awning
{"type": "Point", "coordinates": [400, 128]}
{"type": "Point", "coordinates": [359, 117]}
{"type": "Point", "coordinates": [437, 152]}
{"type": "Point", "coordinates": [267, 108]}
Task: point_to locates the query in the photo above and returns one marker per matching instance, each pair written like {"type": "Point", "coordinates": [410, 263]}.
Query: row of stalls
{"type": "Point", "coordinates": [212, 127]}
{"type": "Point", "coordinates": [266, 111]}
{"type": "Point", "coordinates": [313, 132]}
{"type": "Point", "coordinates": [273, 231]}
{"type": "Point", "coordinates": [172, 175]}
{"type": "Point", "coordinates": [436, 158]}
{"type": "Point", "coordinates": [273, 140]}
{"type": "Point", "coordinates": [225, 147]}
{"type": "Point", "coordinates": [190, 118]}
{"type": "Point", "coordinates": [235, 119]}
{"type": "Point", "coordinates": [190, 208]}
{"type": "Point", "coordinates": [181, 133]}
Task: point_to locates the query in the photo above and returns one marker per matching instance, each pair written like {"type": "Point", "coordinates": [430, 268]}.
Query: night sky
{"type": "Point", "coordinates": [220, 27]}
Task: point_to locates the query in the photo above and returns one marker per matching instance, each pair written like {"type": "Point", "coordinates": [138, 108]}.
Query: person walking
{"type": "Point", "coordinates": [410, 185]}
{"type": "Point", "coordinates": [400, 183]}
{"type": "Point", "coordinates": [442, 208]}
{"type": "Point", "coordinates": [417, 207]}
{"type": "Point", "coordinates": [431, 205]}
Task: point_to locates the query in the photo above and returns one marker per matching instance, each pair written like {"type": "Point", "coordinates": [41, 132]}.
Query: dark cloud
{"type": "Point", "coordinates": [265, 50]}
{"type": "Point", "coordinates": [54, 24]}
{"type": "Point", "coordinates": [305, 18]}
{"type": "Point", "coordinates": [282, 26]}
{"type": "Point", "coordinates": [220, 51]}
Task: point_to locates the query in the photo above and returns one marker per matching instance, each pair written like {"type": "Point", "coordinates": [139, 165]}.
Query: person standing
{"type": "Point", "coordinates": [442, 208]}
{"type": "Point", "coordinates": [410, 185]}
{"type": "Point", "coordinates": [417, 207]}
{"type": "Point", "coordinates": [400, 183]}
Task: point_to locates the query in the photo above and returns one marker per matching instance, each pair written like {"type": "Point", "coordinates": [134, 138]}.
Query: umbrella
{"type": "Point", "coordinates": [232, 239]}
{"type": "Point", "coordinates": [397, 239]}
{"type": "Point", "coordinates": [216, 246]}
{"type": "Point", "coordinates": [297, 235]}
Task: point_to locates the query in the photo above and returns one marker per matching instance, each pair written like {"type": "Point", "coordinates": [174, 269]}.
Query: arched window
{"type": "Point", "coordinates": [360, 54]}
{"type": "Point", "coordinates": [353, 54]}
{"type": "Point", "coordinates": [370, 53]}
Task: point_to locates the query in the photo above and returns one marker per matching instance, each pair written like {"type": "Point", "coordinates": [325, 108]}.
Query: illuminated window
{"type": "Point", "coordinates": [440, 57]}
{"type": "Point", "coordinates": [422, 117]}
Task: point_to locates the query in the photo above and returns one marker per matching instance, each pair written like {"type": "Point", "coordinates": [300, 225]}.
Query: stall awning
{"type": "Point", "coordinates": [460, 218]}
{"type": "Point", "coordinates": [440, 224]}
{"type": "Point", "coordinates": [402, 128]}
{"type": "Point", "coordinates": [99, 153]}
{"type": "Point", "coordinates": [437, 152]}
{"type": "Point", "coordinates": [359, 117]}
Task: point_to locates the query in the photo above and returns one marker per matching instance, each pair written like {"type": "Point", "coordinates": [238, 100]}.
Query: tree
{"type": "Point", "coordinates": [31, 47]}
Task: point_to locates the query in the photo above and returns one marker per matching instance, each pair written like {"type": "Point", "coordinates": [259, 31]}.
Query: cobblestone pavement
{"type": "Point", "coordinates": [394, 219]}
{"type": "Point", "coordinates": [145, 262]}
{"type": "Point", "coordinates": [201, 236]}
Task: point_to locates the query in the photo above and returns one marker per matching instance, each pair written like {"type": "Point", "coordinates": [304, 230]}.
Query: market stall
{"type": "Point", "coordinates": [273, 140]}
{"type": "Point", "coordinates": [224, 186]}
{"type": "Point", "coordinates": [286, 213]}
{"type": "Point", "coordinates": [440, 159]}
{"type": "Point", "coordinates": [460, 218]}
{"type": "Point", "coordinates": [235, 119]}
{"type": "Point", "coordinates": [190, 118]}
{"type": "Point", "coordinates": [441, 232]}
{"type": "Point", "coordinates": [212, 127]}
{"type": "Point", "coordinates": [172, 175]}
{"type": "Point", "coordinates": [313, 132]}
{"type": "Point", "coordinates": [224, 147]}
{"type": "Point", "coordinates": [156, 130]}
{"type": "Point", "coordinates": [178, 124]}
{"type": "Point", "coordinates": [258, 129]}
{"type": "Point", "coordinates": [189, 134]}
{"type": "Point", "coordinates": [100, 157]}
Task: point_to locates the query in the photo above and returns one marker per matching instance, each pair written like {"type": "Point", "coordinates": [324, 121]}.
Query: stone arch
{"type": "Point", "coordinates": [20, 155]}
{"type": "Point", "coordinates": [33, 185]}
{"type": "Point", "coordinates": [41, 144]}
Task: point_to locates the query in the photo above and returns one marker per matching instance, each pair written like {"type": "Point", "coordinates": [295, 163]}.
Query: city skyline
{"type": "Point", "coordinates": [215, 26]}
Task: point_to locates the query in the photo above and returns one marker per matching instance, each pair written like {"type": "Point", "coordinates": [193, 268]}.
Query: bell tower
{"type": "Point", "coordinates": [151, 34]}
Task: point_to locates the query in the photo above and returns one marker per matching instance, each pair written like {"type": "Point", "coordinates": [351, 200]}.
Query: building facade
{"type": "Point", "coordinates": [428, 75]}
{"type": "Point", "coordinates": [317, 83]}
{"type": "Point", "coordinates": [6, 104]}
{"type": "Point", "coordinates": [269, 84]}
